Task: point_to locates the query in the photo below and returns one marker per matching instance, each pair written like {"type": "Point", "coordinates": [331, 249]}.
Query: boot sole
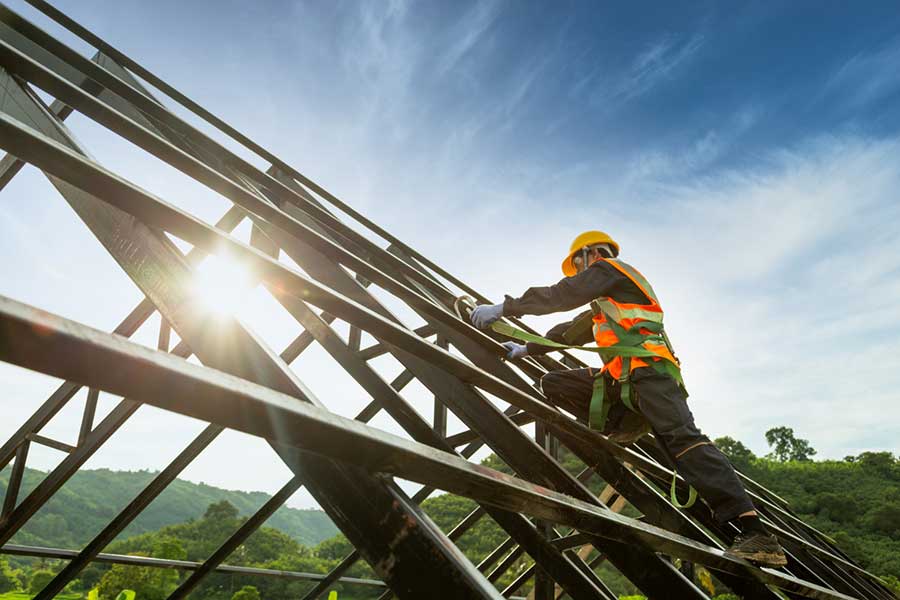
{"type": "Point", "coordinates": [766, 559]}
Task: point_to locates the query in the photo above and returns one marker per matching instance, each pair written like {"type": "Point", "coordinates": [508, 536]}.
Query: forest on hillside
{"type": "Point", "coordinates": [91, 498]}
{"type": "Point", "coordinates": [856, 501]}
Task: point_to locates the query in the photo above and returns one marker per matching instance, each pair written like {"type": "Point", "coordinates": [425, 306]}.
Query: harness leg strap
{"type": "Point", "coordinates": [599, 408]}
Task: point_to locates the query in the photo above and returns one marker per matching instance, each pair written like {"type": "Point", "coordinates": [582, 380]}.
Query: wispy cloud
{"type": "Point", "coordinates": [867, 76]}
{"type": "Point", "coordinates": [465, 33]}
{"type": "Point", "coordinates": [694, 155]}
{"type": "Point", "coordinates": [656, 64]}
{"type": "Point", "coordinates": [487, 136]}
{"type": "Point", "coordinates": [781, 279]}
{"type": "Point", "coordinates": [785, 289]}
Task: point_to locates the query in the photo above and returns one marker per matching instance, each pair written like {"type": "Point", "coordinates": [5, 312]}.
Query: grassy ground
{"type": "Point", "coordinates": [24, 596]}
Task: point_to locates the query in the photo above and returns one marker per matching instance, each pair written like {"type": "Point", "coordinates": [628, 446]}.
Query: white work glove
{"type": "Point", "coordinates": [514, 350]}
{"type": "Point", "coordinates": [484, 315]}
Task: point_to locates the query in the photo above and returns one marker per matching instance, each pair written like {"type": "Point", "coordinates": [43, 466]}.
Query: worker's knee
{"type": "Point", "coordinates": [552, 383]}
{"type": "Point", "coordinates": [683, 439]}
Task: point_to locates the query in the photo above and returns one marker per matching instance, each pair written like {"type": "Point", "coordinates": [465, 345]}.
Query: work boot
{"type": "Point", "coordinates": [760, 548]}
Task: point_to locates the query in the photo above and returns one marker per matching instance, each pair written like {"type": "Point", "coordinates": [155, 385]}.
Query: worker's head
{"type": "Point", "coordinates": [586, 249]}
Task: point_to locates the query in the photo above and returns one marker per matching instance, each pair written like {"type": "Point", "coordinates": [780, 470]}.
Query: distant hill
{"type": "Point", "coordinates": [856, 501]}
{"type": "Point", "coordinates": [92, 498]}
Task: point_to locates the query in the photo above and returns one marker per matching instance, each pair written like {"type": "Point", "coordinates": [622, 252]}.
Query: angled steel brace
{"type": "Point", "coordinates": [144, 254]}
{"type": "Point", "coordinates": [173, 384]}
{"type": "Point", "coordinates": [284, 198]}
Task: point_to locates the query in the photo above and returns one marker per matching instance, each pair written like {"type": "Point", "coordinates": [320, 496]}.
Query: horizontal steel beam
{"type": "Point", "coordinates": [83, 173]}
{"type": "Point", "coordinates": [181, 565]}
{"type": "Point", "coordinates": [63, 348]}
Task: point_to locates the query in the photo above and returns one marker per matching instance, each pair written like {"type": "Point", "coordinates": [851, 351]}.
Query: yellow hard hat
{"type": "Point", "coordinates": [588, 238]}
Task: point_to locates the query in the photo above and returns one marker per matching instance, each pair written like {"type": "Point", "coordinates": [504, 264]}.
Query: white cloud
{"type": "Point", "coordinates": [867, 76]}
{"type": "Point", "coordinates": [781, 280]}
{"type": "Point", "coordinates": [657, 63]}
{"type": "Point", "coordinates": [466, 33]}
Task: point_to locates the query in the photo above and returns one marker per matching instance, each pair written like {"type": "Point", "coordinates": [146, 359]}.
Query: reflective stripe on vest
{"type": "Point", "coordinates": [626, 324]}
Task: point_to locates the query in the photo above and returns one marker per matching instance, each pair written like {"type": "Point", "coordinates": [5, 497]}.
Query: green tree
{"type": "Point", "coordinates": [837, 507]}
{"type": "Point", "coordinates": [248, 592]}
{"type": "Point", "coordinates": [91, 575]}
{"type": "Point", "coordinates": [221, 511]}
{"type": "Point", "coordinates": [740, 455]}
{"type": "Point", "coordinates": [148, 583]}
{"type": "Point", "coordinates": [39, 580]}
{"type": "Point", "coordinates": [8, 580]}
{"type": "Point", "coordinates": [170, 548]}
{"type": "Point", "coordinates": [882, 463]}
{"type": "Point", "coordinates": [892, 584]}
{"type": "Point", "coordinates": [335, 548]}
{"type": "Point", "coordinates": [785, 446]}
{"type": "Point", "coordinates": [885, 519]}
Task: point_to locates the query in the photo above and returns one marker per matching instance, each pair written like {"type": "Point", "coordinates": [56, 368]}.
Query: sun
{"type": "Point", "coordinates": [222, 285]}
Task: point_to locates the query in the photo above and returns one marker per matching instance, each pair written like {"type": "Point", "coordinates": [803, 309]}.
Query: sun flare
{"type": "Point", "coordinates": [222, 285]}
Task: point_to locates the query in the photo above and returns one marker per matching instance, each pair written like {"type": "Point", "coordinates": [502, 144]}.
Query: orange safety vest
{"type": "Point", "coordinates": [635, 325]}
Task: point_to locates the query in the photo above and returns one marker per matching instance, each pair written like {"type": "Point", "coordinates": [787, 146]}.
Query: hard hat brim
{"type": "Point", "coordinates": [568, 267]}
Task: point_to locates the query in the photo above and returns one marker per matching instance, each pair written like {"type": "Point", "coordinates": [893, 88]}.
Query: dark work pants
{"type": "Point", "coordinates": [664, 404]}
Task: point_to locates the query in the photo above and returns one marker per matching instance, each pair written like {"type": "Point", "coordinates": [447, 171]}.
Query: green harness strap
{"type": "Point", "coordinates": [607, 353]}
{"type": "Point", "coordinates": [692, 493]}
{"type": "Point", "coordinates": [599, 407]}
{"type": "Point", "coordinates": [628, 347]}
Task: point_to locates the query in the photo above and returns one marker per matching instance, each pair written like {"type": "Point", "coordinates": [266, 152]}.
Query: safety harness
{"type": "Point", "coordinates": [599, 409]}
{"type": "Point", "coordinates": [628, 336]}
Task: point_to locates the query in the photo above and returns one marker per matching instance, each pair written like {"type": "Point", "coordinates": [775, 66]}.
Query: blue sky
{"type": "Point", "coordinates": [746, 158]}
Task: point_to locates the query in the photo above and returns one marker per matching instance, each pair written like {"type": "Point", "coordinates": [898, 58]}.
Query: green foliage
{"type": "Point", "coordinates": [146, 583]}
{"type": "Point", "coordinates": [892, 584]}
{"type": "Point", "coordinates": [785, 446]}
{"type": "Point", "coordinates": [882, 463]}
{"type": "Point", "coordinates": [740, 455]}
{"type": "Point", "coordinates": [8, 580]}
{"type": "Point", "coordinates": [222, 510]}
{"type": "Point", "coordinates": [334, 548]}
{"type": "Point", "coordinates": [39, 580]}
{"type": "Point", "coordinates": [885, 519]}
{"type": "Point", "coordinates": [29, 596]}
{"type": "Point", "coordinates": [91, 498]}
{"type": "Point", "coordinates": [248, 592]}
{"type": "Point", "coordinates": [856, 502]}
{"type": "Point", "coordinates": [91, 575]}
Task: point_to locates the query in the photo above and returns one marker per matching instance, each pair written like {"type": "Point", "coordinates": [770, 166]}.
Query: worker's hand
{"type": "Point", "coordinates": [514, 350]}
{"type": "Point", "coordinates": [484, 315]}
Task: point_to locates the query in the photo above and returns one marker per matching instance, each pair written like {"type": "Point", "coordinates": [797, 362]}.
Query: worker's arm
{"type": "Point", "coordinates": [570, 292]}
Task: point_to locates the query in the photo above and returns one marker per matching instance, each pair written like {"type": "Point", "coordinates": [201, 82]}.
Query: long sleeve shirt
{"type": "Point", "coordinates": [599, 280]}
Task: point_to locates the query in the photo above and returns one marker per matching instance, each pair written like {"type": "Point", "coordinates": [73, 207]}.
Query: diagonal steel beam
{"type": "Point", "coordinates": [427, 291]}
{"type": "Point", "coordinates": [129, 513]}
{"type": "Point", "coordinates": [662, 579]}
{"type": "Point", "coordinates": [173, 384]}
{"type": "Point", "coordinates": [158, 269]}
{"type": "Point", "coordinates": [55, 158]}
{"type": "Point", "coordinates": [501, 434]}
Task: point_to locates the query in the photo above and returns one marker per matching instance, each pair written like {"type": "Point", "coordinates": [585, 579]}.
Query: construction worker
{"type": "Point", "coordinates": [640, 386]}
